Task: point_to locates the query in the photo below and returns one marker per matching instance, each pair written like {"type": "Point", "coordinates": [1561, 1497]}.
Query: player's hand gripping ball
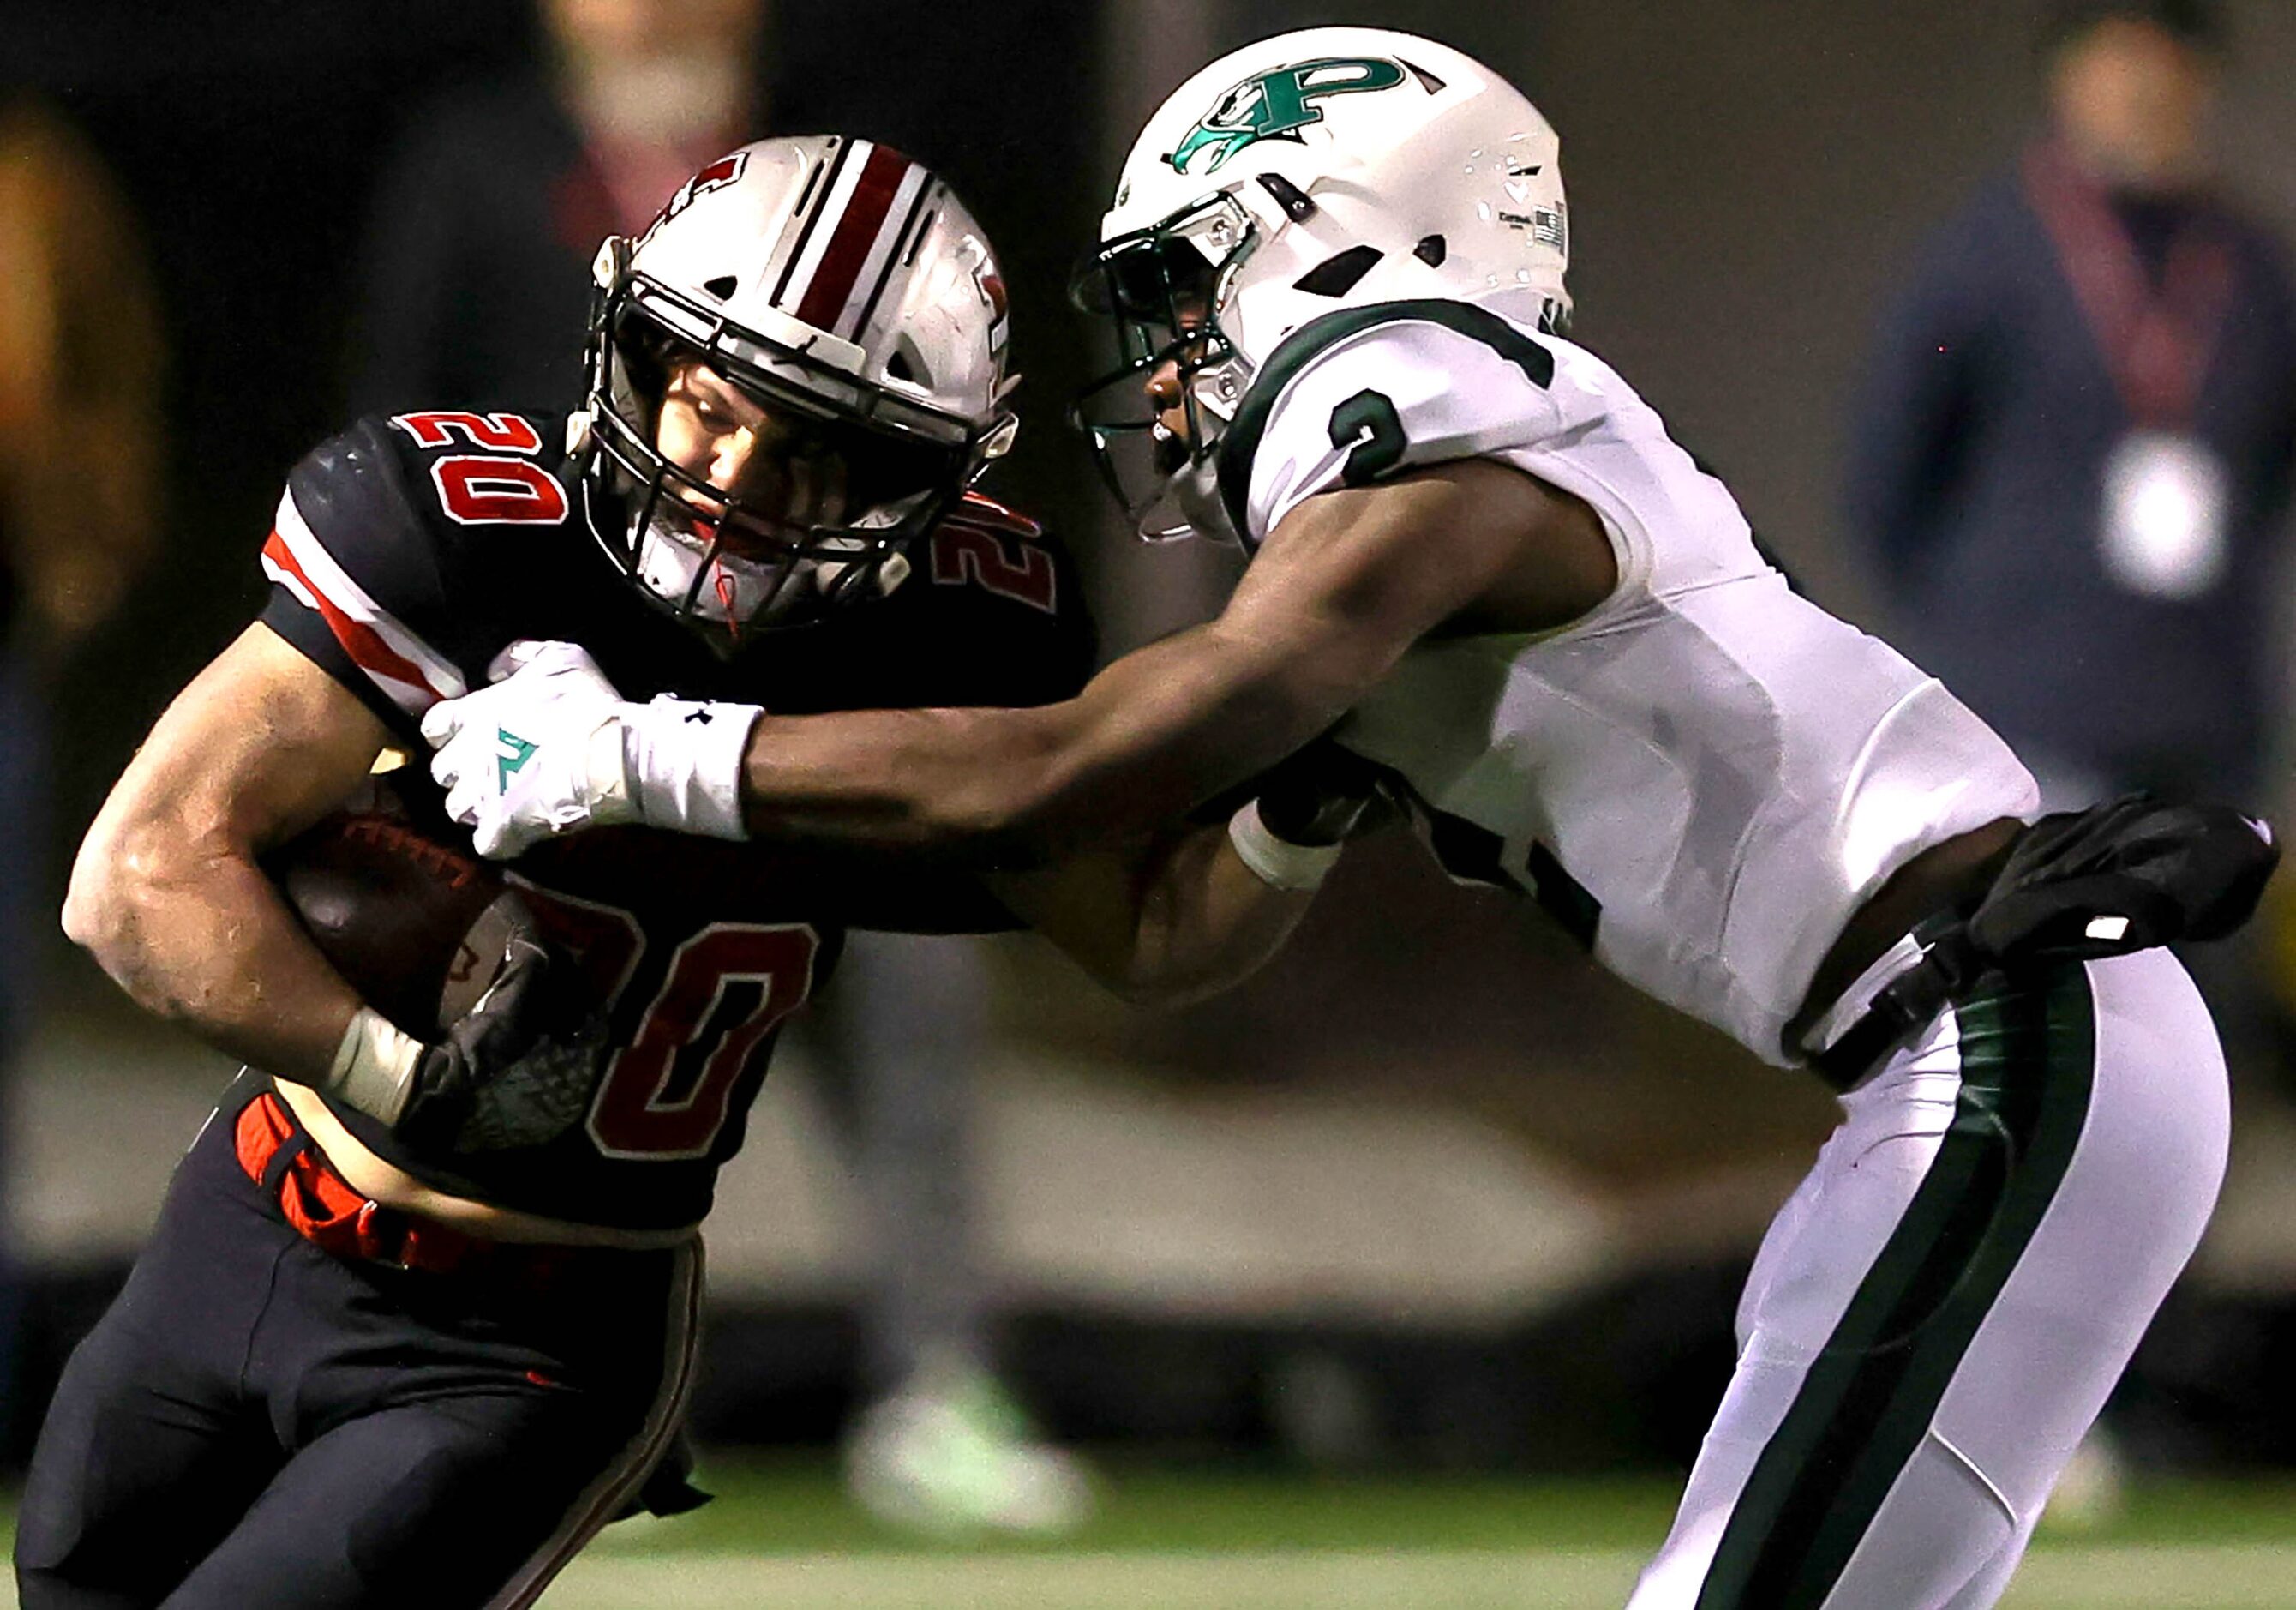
{"type": "Point", "coordinates": [416, 928]}
{"type": "Point", "coordinates": [507, 1034]}
{"type": "Point", "coordinates": [521, 1067]}
{"type": "Point", "coordinates": [536, 754]}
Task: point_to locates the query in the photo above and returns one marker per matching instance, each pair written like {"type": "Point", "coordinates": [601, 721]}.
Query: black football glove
{"type": "Point", "coordinates": [2124, 876]}
{"type": "Point", "coordinates": [1321, 794]}
{"type": "Point", "coordinates": [520, 1068]}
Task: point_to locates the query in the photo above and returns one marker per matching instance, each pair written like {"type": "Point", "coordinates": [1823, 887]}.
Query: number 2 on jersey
{"type": "Point", "coordinates": [963, 555]}
{"type": "Point", "coordinates": [1368, 425]}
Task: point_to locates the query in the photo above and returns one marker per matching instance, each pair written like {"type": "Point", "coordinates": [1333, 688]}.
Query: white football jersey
{"type": "Point", "coordinates": [1704, 778]}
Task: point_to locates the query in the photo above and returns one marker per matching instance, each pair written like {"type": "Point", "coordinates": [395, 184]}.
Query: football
{"type": "Point", "coordinates": [415, 927]}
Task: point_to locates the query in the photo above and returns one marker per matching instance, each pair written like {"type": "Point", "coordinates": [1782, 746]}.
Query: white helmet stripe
{"type": "Point", "coordinates": [812, 207]}
{"type": "Point", "coordinates": [821, 229]}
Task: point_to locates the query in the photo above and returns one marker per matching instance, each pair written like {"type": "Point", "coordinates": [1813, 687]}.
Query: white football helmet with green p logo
{"type": "Point", "coordinates": [1328, 168]}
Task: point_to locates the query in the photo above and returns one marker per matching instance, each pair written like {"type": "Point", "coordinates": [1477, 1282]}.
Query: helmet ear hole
{"type": "Point", "coordinates": [1337, 276]}
{"type": "Point", "coordinates": [723, 287]}
{"type": "Point", "coordinates": [1432, 251]}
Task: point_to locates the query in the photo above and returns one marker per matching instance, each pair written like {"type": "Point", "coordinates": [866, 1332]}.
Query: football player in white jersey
{"type": "Point", "coordinates": [1479, 558]}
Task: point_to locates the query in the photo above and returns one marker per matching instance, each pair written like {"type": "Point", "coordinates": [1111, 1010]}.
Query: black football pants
{"type": "Point", "coordinates": [259, 1423]}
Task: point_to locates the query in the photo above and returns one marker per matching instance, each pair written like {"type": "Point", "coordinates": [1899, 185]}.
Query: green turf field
{"type": "Point", "coordinates": [781, 1536]}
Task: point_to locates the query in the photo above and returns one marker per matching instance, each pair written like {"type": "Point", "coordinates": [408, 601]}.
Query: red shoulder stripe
{"type": "Point", "coordinates": [394, 674]}
{"type": "Point", "coordinates": [402, 665]}
{"type": "Point", "coordinates": [979, 509]}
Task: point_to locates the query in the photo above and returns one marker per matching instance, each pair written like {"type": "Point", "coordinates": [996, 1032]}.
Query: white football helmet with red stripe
{"type": "Point", "coordinates": [847, 290]}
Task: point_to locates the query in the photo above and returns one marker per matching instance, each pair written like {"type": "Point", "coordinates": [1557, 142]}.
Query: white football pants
{"type": "Point", "coordinates": [1941, 1307]}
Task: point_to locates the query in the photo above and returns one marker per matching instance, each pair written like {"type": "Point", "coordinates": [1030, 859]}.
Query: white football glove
{"type": "Point", "coordinates": [553, 748]}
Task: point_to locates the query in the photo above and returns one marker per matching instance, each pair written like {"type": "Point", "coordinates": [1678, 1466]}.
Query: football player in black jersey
{"type": "Point", "coordinates": [414, 1324]}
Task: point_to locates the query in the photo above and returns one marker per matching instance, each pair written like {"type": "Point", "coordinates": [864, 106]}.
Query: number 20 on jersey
{"type": "Point", "coordinates": [488, 488]}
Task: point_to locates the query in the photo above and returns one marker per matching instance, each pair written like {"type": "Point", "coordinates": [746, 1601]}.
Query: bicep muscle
{"type": "Point", "coordinates": [258, 746]}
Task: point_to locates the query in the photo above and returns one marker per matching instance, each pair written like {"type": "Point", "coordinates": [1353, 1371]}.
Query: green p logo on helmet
{"type": "Point", "coordinates": [1273, 106]}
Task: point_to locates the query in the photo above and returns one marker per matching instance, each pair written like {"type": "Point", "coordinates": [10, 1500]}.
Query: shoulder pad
{"type": "Point", "coordinates": [1353, 396]}
{"type": "Point", "coordinates": [382, 537]}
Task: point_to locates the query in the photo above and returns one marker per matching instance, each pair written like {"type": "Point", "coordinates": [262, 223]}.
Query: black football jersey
{"type": "Point", "coordinates": [408, 551]}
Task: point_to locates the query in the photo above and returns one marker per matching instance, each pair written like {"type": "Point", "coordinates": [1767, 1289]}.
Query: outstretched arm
{"type": "Point", "coordinates": [1183, 914]}
{"type": "Point", "coordinates": [1343, 587]}
{"type": "Point", "coordinates": [1347, 582]}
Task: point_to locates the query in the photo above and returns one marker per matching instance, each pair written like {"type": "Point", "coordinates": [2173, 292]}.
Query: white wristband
{"type": "Point", "coordinates": [375, 1066]}
{"type": "Point", "coordinates": [681, 764]}
{"type": "Point", "coordinates": [1278, 863]}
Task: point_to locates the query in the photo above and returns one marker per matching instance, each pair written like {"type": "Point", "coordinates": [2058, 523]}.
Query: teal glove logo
{"type": "Point", "coordinates": [516, 751]}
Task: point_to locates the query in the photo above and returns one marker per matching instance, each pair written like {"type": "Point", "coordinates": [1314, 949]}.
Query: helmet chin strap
{"type": "Point", "coordinates": [674, 568]}
{"type": "Point", "coordinates": [723, 583]}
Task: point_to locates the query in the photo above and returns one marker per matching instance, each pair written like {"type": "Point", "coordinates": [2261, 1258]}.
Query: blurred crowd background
{"type": "Point", "coordinates": [1432, 1191]}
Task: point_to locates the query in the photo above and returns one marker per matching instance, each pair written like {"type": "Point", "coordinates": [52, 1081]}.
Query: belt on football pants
{"type": "Point", "coordinates": [321, 1206]}
{"type": "Point", "coordinates": [1898, 996]}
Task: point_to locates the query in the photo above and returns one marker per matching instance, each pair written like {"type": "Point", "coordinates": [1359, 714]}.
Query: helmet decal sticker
{"type": "Point", "coordinates": [991, 287]}
{"type": "Point", "coordinates": [1277, 105]}
{"type": "Point", "coordinates": [719, 174]}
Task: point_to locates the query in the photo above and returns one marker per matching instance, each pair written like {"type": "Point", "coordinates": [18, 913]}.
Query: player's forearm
{"type": "Point", "coordinates": [1206, 922]}
{"type": "Point", "coordinates": [896, 779]}
{"type": "Point", "coordinates": [1152, 737]}
{"type": "Point", "coordinates": [198, 936]}
{"type": "Point", "coordinates": [1169, 918]}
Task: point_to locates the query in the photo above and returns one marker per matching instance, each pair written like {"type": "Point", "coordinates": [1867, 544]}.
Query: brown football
{"type": "Point", "coordinates": [413, 925]}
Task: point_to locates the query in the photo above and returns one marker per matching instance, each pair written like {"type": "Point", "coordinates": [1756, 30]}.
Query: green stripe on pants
{"type": "Point", "coordinates": [2028, 1054]}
